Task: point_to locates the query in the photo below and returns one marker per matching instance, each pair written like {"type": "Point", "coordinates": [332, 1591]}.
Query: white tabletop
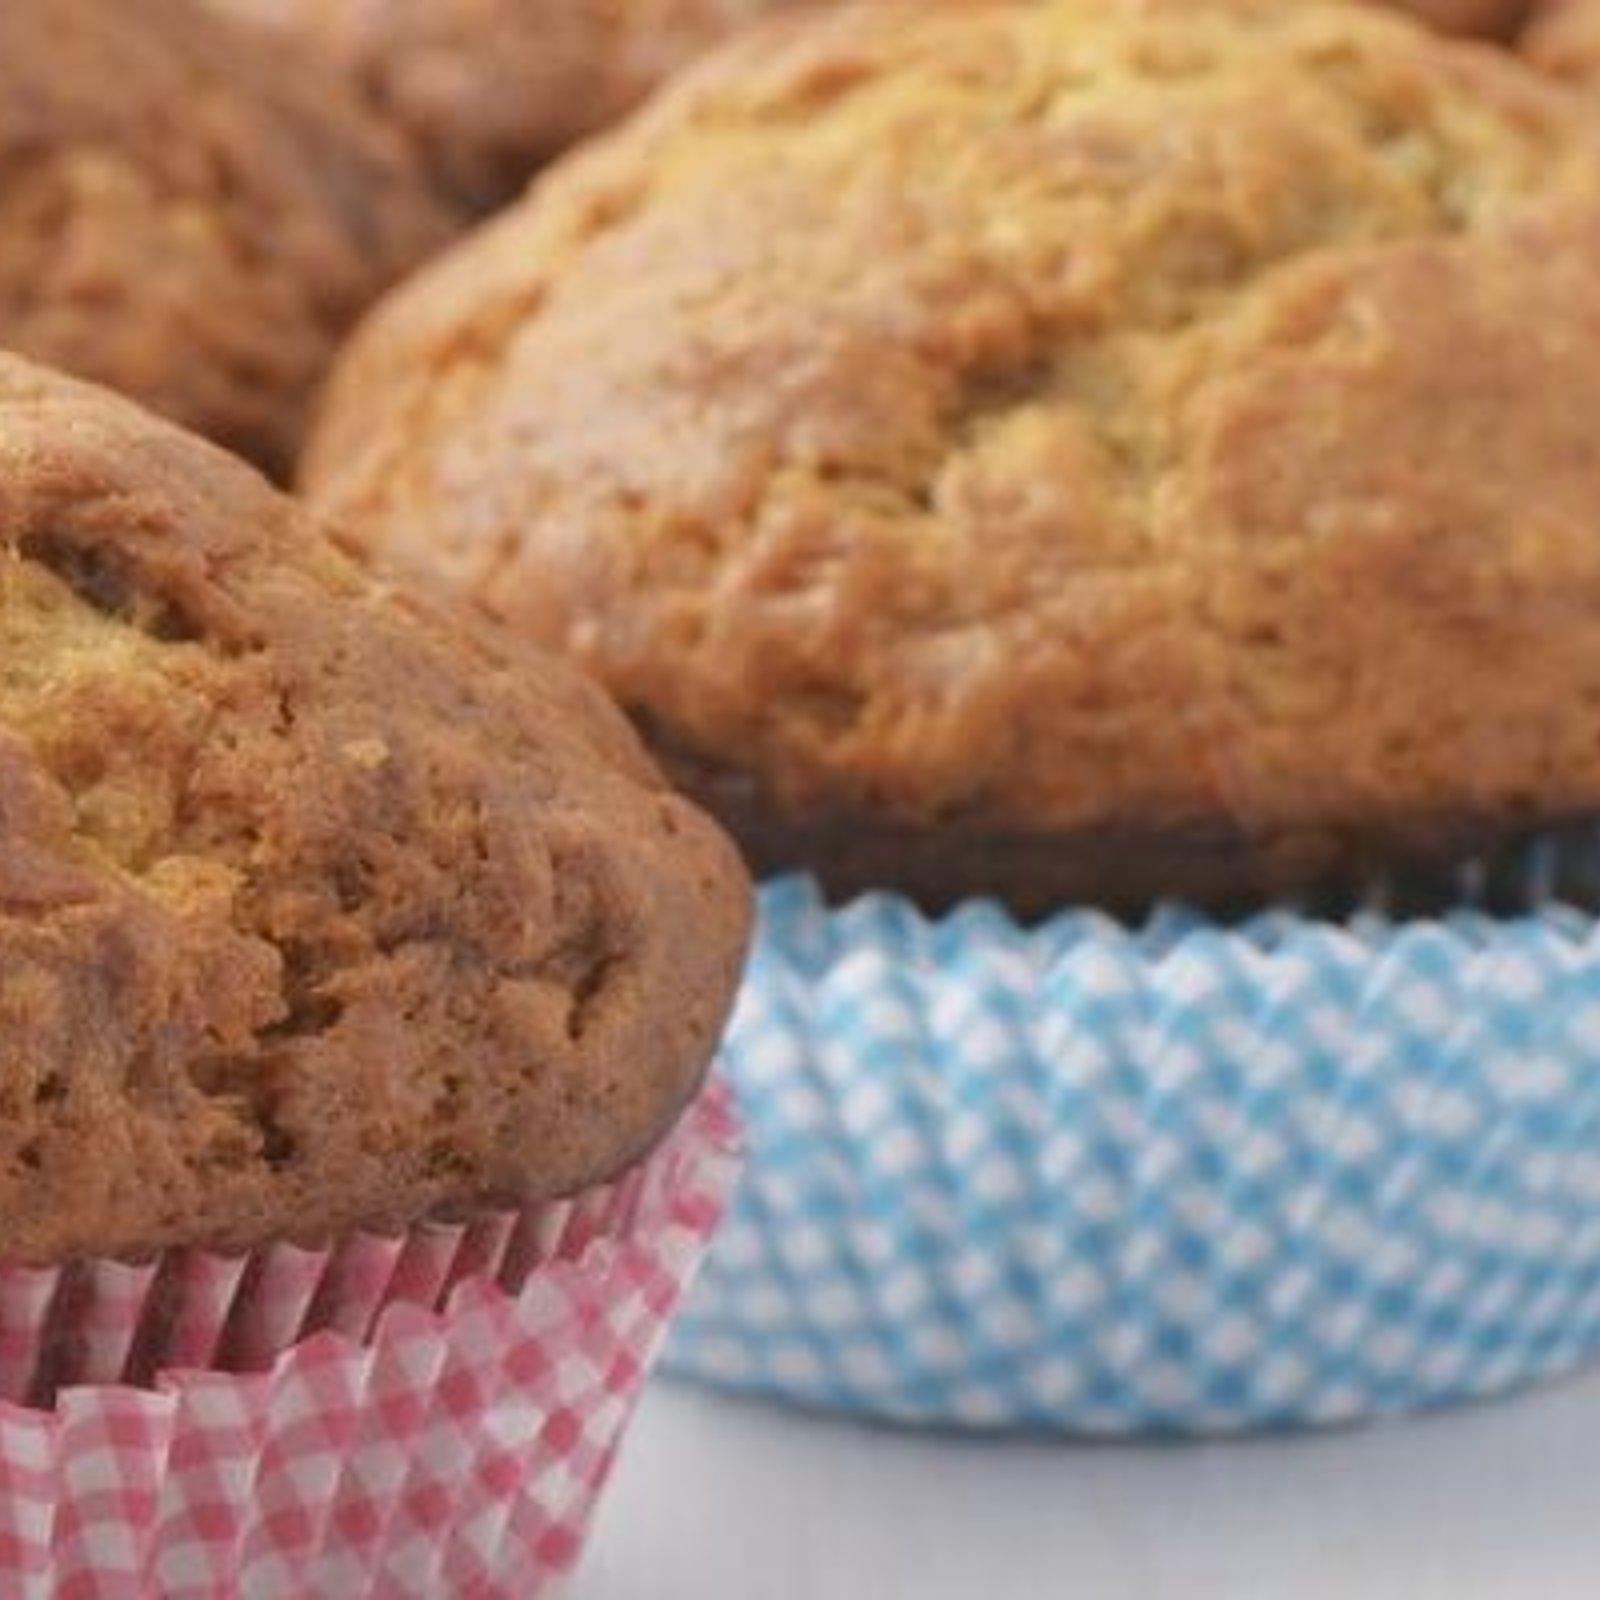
{"type": "Point", "coordinates": [716, 1500]}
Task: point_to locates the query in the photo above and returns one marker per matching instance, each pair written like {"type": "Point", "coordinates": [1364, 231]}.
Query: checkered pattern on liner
{"type": "Point", "coordinates": [1178, 1179]}
{"type": "Point", "coordinates": [455, 1451]}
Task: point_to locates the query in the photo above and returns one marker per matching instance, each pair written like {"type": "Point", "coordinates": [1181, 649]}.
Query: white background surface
{"type": "Point", "coordinates": [719, 1500]}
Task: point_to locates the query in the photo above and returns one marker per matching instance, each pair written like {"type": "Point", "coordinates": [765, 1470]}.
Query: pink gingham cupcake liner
{"type": "Point", "coordinates": [432, 1414]}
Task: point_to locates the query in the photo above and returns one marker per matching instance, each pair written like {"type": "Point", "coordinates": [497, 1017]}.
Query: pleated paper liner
{"type": "Point", "coordinates": [425, 1415]}
{"type": "Point", "coordinates": [1187, 1177]}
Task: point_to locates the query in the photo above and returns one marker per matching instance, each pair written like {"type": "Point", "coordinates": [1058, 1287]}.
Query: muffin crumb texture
{"type": "Point", "coordinates": [318, 906]}
{"type": "Point", "coordinates": [1066, 449]}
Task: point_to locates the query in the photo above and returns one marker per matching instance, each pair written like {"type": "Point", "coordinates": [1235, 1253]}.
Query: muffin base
{"type": "Point", "coordinates": [1180, 1178]}
{"type": "Point", "coordinates": [433, 1413]}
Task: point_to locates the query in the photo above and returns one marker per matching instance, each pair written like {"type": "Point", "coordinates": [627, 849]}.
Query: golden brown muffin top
{"type": "Point", "coordinates": [188, 218]}
{"type": "Point", "coordinates": [489, 89]}
{"type": "Point", "coordinates": [1038, 418]}
{"type": "Point", "coordinates": [318, 905]}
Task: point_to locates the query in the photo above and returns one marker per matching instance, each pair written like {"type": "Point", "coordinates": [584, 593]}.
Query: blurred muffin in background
{"type": "Point", "coordinates": [490, 89]}
{"type": "Point", "coordinates": [1089, 450]}
{"type": "Point", "coordinates": [189, 219]}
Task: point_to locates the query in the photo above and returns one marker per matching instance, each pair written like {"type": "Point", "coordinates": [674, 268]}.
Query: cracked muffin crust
{"type": "Point", "coordinates": [319, 905]}
{"type": "Point", "coordinates": [1069, 450]}
{"type": "Point", "coordinates": [487, 90]}
{"type": "Point", "coordinates": [188, 219]}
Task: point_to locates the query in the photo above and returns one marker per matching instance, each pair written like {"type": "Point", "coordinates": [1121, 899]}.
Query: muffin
{"type": "Point", "coordinates": [1062, 451]}
{"type": "Point", "coordinates": [489, 89]}
{"type": "Point", "coordinates": [355, 960]}
{"type": "Point", "coordinates": [1563, 36]}
{"type": "Point", "coordinates": [1021, 459]}
{"type": "Point", "coordinates": [325, 908]}
{"type": "Point", "coordinates": [188, 218]}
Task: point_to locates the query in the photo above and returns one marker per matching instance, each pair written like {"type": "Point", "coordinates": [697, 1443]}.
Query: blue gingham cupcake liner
{"type": "Point", "coordinates": [1180, 1178]}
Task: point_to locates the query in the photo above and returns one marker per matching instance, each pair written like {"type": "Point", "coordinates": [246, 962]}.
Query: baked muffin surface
{"type": "Point", "coordinates": [188, 219]}
{"type": "Point", "coordinates": [319, 906]}
{"type": "Point", "coordinates": [1071, 449]}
